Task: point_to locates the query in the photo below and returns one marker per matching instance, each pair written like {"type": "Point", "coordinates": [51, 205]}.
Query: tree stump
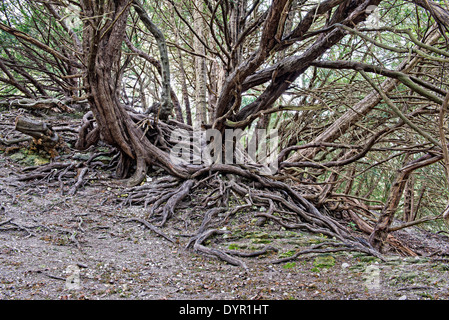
{"type": "Point", "coordinates": [43, 135]}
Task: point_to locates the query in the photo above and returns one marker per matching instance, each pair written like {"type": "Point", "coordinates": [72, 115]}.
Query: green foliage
{"type": "Point", "coordinates": [287, 254]}
{"type": "Point", "coordinates": [324, 261]}
{"type": "Point", "coordinates": [289, 265]}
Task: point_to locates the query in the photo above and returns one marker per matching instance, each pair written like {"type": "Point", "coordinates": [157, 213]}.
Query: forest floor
{"type": "Point", "coordinates": [85, 246]}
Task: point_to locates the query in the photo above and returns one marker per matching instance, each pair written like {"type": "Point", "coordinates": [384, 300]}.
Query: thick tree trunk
{"type": "Point", "coordinates": [102, 48]}
{"type": "Point", "coordinates": [200, 70]}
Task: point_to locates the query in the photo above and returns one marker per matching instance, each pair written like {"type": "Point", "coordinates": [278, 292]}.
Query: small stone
{"type": "Point", "coordinates": [344, 265]}
{"type": "Point", "coordinates": [403, 298]}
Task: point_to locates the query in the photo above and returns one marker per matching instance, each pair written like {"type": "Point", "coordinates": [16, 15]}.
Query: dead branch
{"type": "Point", "coordinates": [80, 181]}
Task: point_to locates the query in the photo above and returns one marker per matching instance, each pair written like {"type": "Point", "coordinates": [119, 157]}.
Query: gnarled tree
{"type": "Point", "coordinates": [348, 101]}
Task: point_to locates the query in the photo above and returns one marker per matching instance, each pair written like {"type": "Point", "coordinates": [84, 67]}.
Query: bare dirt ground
{"type": "Point", "coordinates": [85, 246]}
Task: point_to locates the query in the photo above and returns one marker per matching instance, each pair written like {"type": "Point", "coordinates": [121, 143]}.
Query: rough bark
{"type": "Point", "coordinates": [232, 87]}
{"type": "Point", "coordinates": [38, 104]}
{"type": "Point", "coordinates": [200, 69]}
{"type": "Point", "coordinates": [102, 48]}
{"type": "Point", "coordinates": [409, 200]}
{"type": "Point", "coordinates": [381, 229]}
{"type": "Point", "coordinates": [42, 133]}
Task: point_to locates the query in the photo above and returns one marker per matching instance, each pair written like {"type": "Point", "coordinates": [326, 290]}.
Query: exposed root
{"type": "Point", "coordinates": [229, 189]}
{"type": "Point", "coordinates": [80, 181]}
{"type": "Point", "coordinates": [198, 246]}
{"type": "Point", "coordinates": [177, 196]}
{"type": "Point", "coordinates": [204, 224]}
{"type": "Point", "coordinates": [337, 247]}
{"type": "Point", "coordinates": [257, 253]}
{"type": "Point", "coordinates": [283, 205]}
{"type": "Point", "coordinates": [391, 240]}
{"type": "Point", "coordinates": [9, 225]}
{"type": "Point", "coordinates": [152, 228]}
{"type": "Point", "coordinates": [225, 190]}
{"type": "Point", "coordinates": [69, 176]}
